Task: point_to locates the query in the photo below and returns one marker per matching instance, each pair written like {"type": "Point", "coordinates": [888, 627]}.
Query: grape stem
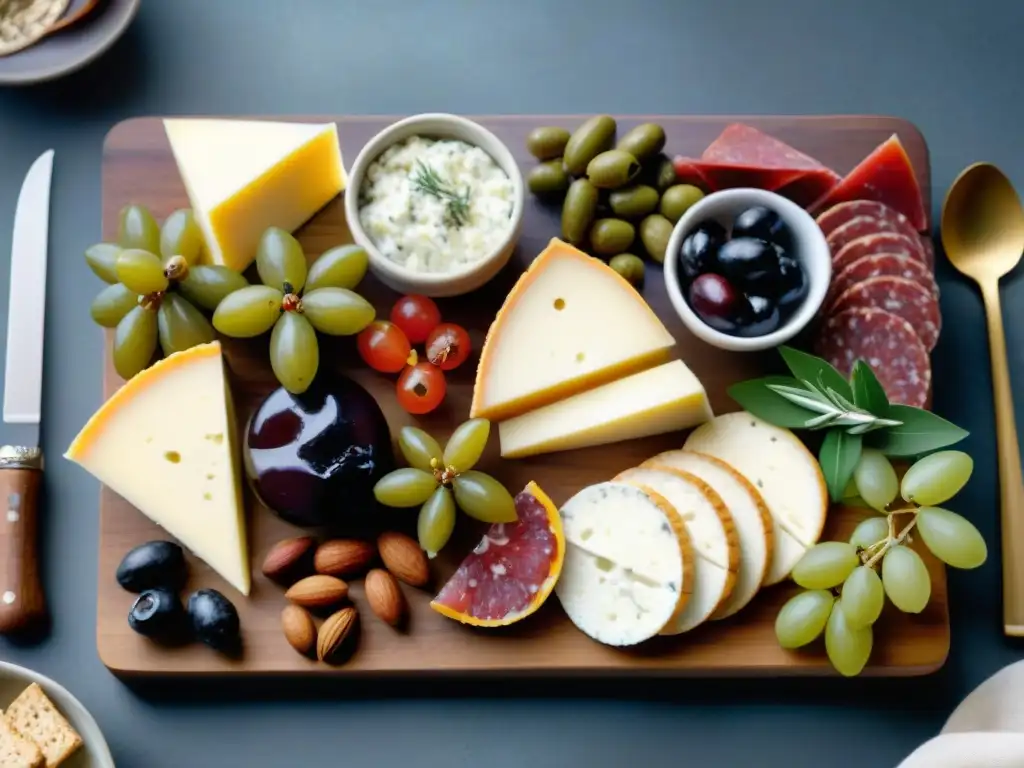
{"type": "Point", "coordinates": [873, 554]}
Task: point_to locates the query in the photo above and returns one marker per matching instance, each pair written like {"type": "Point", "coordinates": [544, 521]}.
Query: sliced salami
{"type": "Point", "coordinates": [906, 298]}
{"type": "Point", "coordinates": [884, 341]}
{"type": "Point", "coordinates": [862, 226]}
{"type": "Point", "coordinates": [880, 242]}
{"type": "Point", "coordinates": [880, 265]}
{"type": "Point", "coordinates": [838, 215]}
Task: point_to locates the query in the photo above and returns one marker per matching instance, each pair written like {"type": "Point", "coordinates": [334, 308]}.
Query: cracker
{"type": "Point", "coordinates": [34, 716]}
{"type": "Point", "coordinates": [18, 752]}
{"type": "Point", "coordinates": [24, 22]}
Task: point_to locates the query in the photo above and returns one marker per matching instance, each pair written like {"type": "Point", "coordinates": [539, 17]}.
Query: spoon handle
{"type": "Point", "coordinates": [1011, 484]}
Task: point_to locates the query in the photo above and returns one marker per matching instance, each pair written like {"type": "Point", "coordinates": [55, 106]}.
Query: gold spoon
{"type": "Point", "coordinates": [983, 235]}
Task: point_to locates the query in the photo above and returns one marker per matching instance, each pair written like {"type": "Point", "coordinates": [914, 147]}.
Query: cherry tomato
{"type": "Point", "coordinates": [421, 388]}
{"type": "Point", "coordinates": [417, 316]}
{"type": "Point", "coordinates": [384, 347]}
{"type": "Point", "coordinates": [448, 346]}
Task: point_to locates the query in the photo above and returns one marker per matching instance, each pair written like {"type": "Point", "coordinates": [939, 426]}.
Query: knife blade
{"type": "Point", "coordinates": [22, 603]}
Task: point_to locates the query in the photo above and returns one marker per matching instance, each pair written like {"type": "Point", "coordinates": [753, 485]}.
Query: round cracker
{"type": "Point", "coordinates": [24, 22]}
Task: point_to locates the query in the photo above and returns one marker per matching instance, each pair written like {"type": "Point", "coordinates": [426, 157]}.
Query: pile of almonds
{"type": "Point", "coordinates": [317, 584]}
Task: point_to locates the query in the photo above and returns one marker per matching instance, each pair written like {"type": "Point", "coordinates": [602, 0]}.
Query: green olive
{"type": "Point", "coordinates": [578, 211]}
{"type": "Point", "coordinates": [611, 236]}
{"type": "Point", "coordinates": [630, 266]}
{"type": "Point", "coordinates": [612, 169]}
{"type": "Point", "coordinates": [659, 173]}
{"type": "Point", "coordinates": [655, 232]}
{"type": "Point", "coordinates": [587, 142]}
{"type": "Point", "coordinates": [633, 202]}
{"type": "Point", "coordinates": [548, 178]}
{"type": "Point", "coordinates": [643, 141]}
{"type": "Point", "coordinates": [547, 142]}
{"type": "Point", "coordinates": [676, 200]}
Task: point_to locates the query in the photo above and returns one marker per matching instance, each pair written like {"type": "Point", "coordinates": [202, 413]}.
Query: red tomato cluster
{"type": "Point", "coordinates": [387, 346]}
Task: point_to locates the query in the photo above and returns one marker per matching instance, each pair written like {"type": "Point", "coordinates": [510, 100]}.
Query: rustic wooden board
{"type": "Point", "coordinates": [138, 167]}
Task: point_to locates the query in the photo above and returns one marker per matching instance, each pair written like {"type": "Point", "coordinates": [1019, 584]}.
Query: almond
{"type": "Point", "coordinates": [284, 556]}
{"type": "Point", "coordinates": [343, 557]}
{"type": "Point", "coordinates": [299, 629]}
{"type": "Point", "coordinates": [385, 596]}
{"type": "Point", "coordinates": [317, 591]}
{"type": "Point", "coordinates": [333, 632]}
{"type": "Point", "coordinates": [405, 559]}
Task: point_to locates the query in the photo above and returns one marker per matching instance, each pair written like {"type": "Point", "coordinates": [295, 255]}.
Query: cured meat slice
{"type": "Point", "coordinates": [717, 176]}
{"type": "Point", "coordinates": [809, 186]}
{"type": "Point", "coordinates": [906, 298]}
{"type": "Point", "coordinates": [863, 226]}
{"type": "Point", "coordinates": [689, 172]}
{"type": "Point", "coordinates": [880, 265]}
{"type": "Point", "coordinates": [746, 145]}
{"type": "Point", "coordinates": [884, 341]}
{"type": "Point", "coordinates": [885, 176]}
{"type": "Point", "coordinates": [881, 242]}
{"type": "Point", "coordinates": [837, 215]}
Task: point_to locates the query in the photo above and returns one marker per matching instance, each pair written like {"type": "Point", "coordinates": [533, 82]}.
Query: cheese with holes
{"type": "Point", "coordinates": [166, 442]}
{"type": "Point", "coordinates": [244, 176]}
{"type": "Point", "coordinates": [712, 533]}
{"type": "Point", "coordinates": [667, 398]}
{"type": "Point", "coordinates": [628, 569]}
{"type": "Point", "coordinates": [748, 511]}
{"type": "Point", "coordinates": [570, 323]}
{"type": "Point", "coordinates": [784, 472]}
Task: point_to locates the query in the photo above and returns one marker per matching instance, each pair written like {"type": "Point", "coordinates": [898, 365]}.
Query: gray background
{"type": "Point", "coordinates": [953, 68]}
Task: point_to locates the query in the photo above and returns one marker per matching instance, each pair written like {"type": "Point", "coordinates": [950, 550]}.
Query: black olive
{"type": "Point", "coordinates": [157, 613]}
{"type": "Point", "coordinates": [153, 564]}
{"type": "Point", "coordinates": [215, 620]}
{"type": "Point", "coordinates": [699, 248]}
{"type": "Point", "coordinates": [716, 302]}
{"type": "Point", "coordinates": [750, 264]}
{"type": "Point", "coordinates": [760, 318]}
{"type": "Point", "coordinates": [764, 224]}
{"type": "Point", "coordinates": [793, 283]}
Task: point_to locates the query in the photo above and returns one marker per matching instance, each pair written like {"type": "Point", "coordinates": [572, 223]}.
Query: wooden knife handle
{"type": "Point", "coordinates": [21, 593]}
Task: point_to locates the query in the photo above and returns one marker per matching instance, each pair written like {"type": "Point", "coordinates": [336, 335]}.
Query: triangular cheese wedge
{"type": "Point", "coordinates": [570, 323]}
{"type": "Point", "coordinates": [166, 441]}
{"type": "Point", "coordinates": [243, 177]}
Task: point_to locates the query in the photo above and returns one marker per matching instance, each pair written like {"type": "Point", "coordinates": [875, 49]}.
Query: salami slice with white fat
{"type": "Point", "coordinates": [880, 265]}
{"type": "Point", "coordinates": [838, 215]}
{"type": "Point", "coordinates": [880, 242]}
{"type": "Point", "coordinates": [884, 341]}
{"type": "Point", "coordinates": [906, 298]}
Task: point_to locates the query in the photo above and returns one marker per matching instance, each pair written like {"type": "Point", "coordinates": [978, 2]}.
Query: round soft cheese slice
{"type": "Point", "coordinates": [749, 512]}
{"type": "Point", "coordinates": [628, 569]}
{"type": "Point", "coordinates": [784, 472]}
{"type": "Point", "coordinates": [711, 531]}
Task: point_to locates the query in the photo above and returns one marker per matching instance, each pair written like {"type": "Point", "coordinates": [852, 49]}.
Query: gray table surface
{"type": "Point", "coordinates": [956, 69]}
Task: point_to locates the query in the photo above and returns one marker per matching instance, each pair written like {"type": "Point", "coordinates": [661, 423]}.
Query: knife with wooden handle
{"type": "Point", "coordinates": [22, 603]}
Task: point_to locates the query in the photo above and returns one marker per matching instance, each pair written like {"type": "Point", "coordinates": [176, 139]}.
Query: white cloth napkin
{"type": "Point", "coordinates": [985, 731]}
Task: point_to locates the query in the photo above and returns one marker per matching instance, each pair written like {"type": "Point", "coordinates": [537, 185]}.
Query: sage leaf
{"type": "Point", "coordinates": [839, 454]}
{"type": "Point", "coordinates": [755, 396]}
{"type": "Point", "coordinates": [920, 431]}
{"type": "Point", "coordinates": [868, 392]}
{"type": "Point", "coordinates": [810, 368]}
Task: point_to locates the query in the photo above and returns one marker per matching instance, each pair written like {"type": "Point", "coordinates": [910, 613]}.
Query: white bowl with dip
{"type": "Point", "coordinates": [437, 202]}
{"type": "Point", "coordinates": [809, 248]}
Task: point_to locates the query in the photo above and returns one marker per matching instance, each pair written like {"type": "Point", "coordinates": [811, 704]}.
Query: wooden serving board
{"type": "Point", "coordinates": [138, 168]}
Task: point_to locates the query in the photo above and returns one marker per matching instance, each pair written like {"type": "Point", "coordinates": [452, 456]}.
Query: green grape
{"type": "Point", "coordinates": [906, 579]}
{"type": "Point", "coordinates": [141, 271]}
{"type": "Point", "coordinates": [937, 477]}
{"type": "Point", "coordinates": [181, 236]}
{"type": "Point", "coordinates": [406, 487]}
{"type": "Point", "coordinates": [466, 444]}
{"type": "Point", "coordinates": [248, 312]}
{"type": "Point", "coordinates": [294, 353]}
{"type": "Point", "coordinates": [280, 260]}
{"type": "Point", "coordinates": [876, 479]}
{"type": "Point", "coordinates": [802, 619]}
{"type": "Point", "coordinates": [112, 304]}
{"type": "Point", "coordinates": [102, 260]}
{"type": "Point", "coordinates": [134, 341]}
{"type": "Point", "coordinates": [181, 326]}
{"type": "Point", "coordinates": [483, 498]}
{"type": "Point", "coordinates": [951, 537]}
{"type": "Point", "coordinates": [436, 522]}
{"type": "Point", "coordinates": [138, 229]}
{"type": "Point", "coordinates": [337, 311]}
{"type": "Point", "coordinates": [870, 531]}
{"type": "Point", "coordinates": [825, 565]}
{"type": "Point", "coordinates": [418, 448]}
{"type": "Point", "coordinates": [848, 649]}
{"type": "Point", "coordinates": [862, 597]}
{"type": "Point", "coordinates": [206, 285]}
{"type": "Point", "coordinates": [341, 267]}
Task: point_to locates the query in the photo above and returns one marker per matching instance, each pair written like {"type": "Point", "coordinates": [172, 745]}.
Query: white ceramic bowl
{"type": "Point", "coordinates": [809, 248]}
{"type": "Point", "coordinates": [94, 752]}
{"type": "Point", "coordinates": [466, 279]}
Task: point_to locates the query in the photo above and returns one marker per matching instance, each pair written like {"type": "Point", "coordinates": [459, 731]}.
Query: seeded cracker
{"type": "Point", "coordinates": [16, 751]}
{"type": "Point", "coordinates": [35, 717]}
{"type": "Point", "coordinates": [24, 22]}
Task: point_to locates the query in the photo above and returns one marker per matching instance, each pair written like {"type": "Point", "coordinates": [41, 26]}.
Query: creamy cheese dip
{"type": "Point", "coordinates": [417, 229]}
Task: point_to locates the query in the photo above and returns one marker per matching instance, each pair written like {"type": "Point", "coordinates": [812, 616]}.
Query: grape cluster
{"type": "Point", "coordinates": [437, 481]}
{"type": "Point", "coordinates": [296, 301]}
{"type": "Point", "coordinates": [844, 593]}
{"type": "Point", "coordinates": [157, 288]}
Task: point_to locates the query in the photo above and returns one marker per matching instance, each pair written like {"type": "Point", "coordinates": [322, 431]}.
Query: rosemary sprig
{"type": "Point", "coordinates": [834, 409]}
{"type": "Point", "coordinates": [429, 182]}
